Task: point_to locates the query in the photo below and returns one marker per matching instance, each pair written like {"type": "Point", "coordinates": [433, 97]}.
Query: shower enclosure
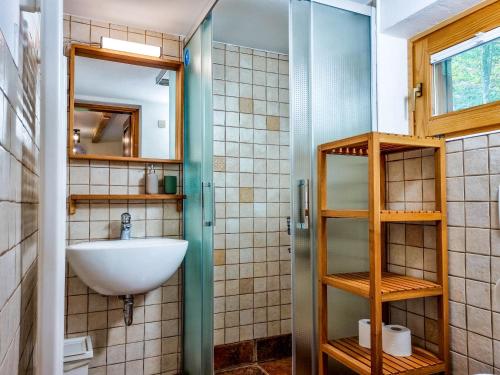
{"type": "Point", "coordinates": [331, 49]}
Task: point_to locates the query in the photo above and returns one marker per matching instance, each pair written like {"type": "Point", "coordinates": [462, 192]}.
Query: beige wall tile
{"type": "Point", "coordinates": [478, 293]}
{"type": "Point", "coordinates": [479, 321]}
{"type": "Point", "coordinates": [480, 348]}
{"type": "Point", "coordinates": [454, 164]}
{"type": "Point", "coordinates": [494, 162]}
{"type": "Point", "coordinates": [245, 105]}
{"type": "Point", "coordinates": [459, 364]}
{"type": "Point", "coordinates": [273, 123]}
{"type": "Point", "coordinates": [80, 32]}
{"type": "Point", "coordinates": [476, 162]}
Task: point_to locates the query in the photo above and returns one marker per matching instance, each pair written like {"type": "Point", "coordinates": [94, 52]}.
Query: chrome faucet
{"type": "Point", "coordinates": [126, 226]}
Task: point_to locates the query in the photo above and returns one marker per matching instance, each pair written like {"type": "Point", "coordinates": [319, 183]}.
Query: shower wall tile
{"type": "Point", "coordinates": [19, 194]}
{"type": "Point", "coordinates": [251, 175]}
{"type": "Point", "coordinates": [473, 250]}
{"type": "Point", "coordinates": [152, 344]}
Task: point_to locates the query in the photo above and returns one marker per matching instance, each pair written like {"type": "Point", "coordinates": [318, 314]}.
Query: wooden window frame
{"type": "Point", "coordinates": [480, 18]}
{"type": "Point", "coordinates": [133, 59]}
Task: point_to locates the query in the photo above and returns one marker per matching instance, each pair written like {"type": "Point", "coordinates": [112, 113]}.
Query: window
{"type": "Point", "coordinates": [467, 75]}
{"type": "Point", "coordinates": [458, 65]}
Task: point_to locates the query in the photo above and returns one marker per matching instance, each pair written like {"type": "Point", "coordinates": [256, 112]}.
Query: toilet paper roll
{"type": "Point", "coordinates": [364, 333]}
{"type": "Point", "coordinates": [396, 340]}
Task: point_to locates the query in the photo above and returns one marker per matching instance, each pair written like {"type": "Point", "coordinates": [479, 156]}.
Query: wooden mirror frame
{"type": "Point", "coordinates": [132, 59]}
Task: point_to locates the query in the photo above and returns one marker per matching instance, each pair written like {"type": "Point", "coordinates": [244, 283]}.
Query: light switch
{"type": "Point", "coordinates": [162, 124]}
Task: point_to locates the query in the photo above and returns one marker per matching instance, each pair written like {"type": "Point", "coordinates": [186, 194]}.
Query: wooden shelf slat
{"type": "Point", "coordinates": [385, 215]}
{"type": "Point", "coordinates": [355, 214]}
{"type": "Point", "coordinates": [394, 287]}
{"type": "Point", "coordinates": [348, 352]}
{"type": "Point", "coordinates": [124, 159]}
{"type": "Point", "coordinates": [391, 215]}
{"type": "Point", "coordinates": [110, 197]}
{"type": "Point", "coordinates": [389, 143]}
{"type": "Point", "coordinates": [73, 198]}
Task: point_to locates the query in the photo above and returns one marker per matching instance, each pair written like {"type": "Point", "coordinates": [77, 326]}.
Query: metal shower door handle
{"type": "Point", "coordinates": [498, 205]}
{"type": "Point", "coordinates": [207, 223]}
{"type": "Point", "coordinates": [303, 204]}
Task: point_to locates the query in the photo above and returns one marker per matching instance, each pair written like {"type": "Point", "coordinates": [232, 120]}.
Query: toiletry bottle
{"type": "Point", "coordinates": [151, 181]}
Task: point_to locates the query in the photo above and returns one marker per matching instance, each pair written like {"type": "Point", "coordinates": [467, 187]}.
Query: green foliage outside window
{"type": "Point", "coordinates": [471, 78]}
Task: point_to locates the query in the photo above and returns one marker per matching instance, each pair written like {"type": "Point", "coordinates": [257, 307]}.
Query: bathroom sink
{"type": "Point", "coordinates": [126, 267]}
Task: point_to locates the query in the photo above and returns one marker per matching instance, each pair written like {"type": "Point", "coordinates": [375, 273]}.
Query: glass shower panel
{"type": "Point", "coordinates": [331, 91]}
{"type": "Point", "coordinates": [198, 206]}
{"type": "Point", "coordinates": [341, 107]}
{"type": "Point", "coordinates": [303, 286]}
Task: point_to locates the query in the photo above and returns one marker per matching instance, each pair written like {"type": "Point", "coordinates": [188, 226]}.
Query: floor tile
{"type": "Point", "coordinates": [247, 370]}
{"type": "Point", "coordinates": [279, 367]}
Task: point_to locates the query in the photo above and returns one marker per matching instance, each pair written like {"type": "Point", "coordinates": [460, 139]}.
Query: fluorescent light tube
{"type": "Point", "coordinates": [131, 47]}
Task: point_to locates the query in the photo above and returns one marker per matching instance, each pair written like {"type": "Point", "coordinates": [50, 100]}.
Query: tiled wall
{"type": "Point", "coordinates": [412, 247]}
{"type": "Point", "coordinates": [85, 31]}
{"type": "Point", "coordinates": [152, 345]}
{"type": "Point", "coordinates": [19, 174]}
{"type": "Point", "coordinates": [473, 178]}
{"type": "Point", "coordinates": [252, 179]}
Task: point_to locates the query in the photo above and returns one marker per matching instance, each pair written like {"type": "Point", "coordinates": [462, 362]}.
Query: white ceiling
{"type": "Point", "coordinates": [406, 20]}
{"type": "Point", "coordinates": [87, 121]}
{"type": "Point", "coordinates": [170, 16]}
{"type": "Point", "coordinates": [251, 23]}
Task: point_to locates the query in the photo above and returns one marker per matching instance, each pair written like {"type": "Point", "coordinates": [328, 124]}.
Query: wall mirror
{"type": "Point", "coordinates": [124, 106]}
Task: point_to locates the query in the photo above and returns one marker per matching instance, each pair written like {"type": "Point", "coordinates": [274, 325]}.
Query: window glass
{"type": "Point", "coordinates": [467, 79]}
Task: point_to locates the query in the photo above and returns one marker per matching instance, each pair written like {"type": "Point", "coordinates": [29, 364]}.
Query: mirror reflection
{"type": "Point", "coordinates": [123, 110]}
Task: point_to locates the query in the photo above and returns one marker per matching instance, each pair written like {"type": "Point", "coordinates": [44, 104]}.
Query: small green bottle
{"type": "Point", "coordinates": [170, 184]}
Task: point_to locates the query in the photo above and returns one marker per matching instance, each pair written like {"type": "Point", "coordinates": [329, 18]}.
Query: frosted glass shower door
{"type": "Point", "coordinates": [198, 206]}
{"type": "Point", "coordinates": [331, 98]}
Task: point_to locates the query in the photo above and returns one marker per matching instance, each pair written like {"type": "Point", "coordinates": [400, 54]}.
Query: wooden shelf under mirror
{"type": "Point", "coordinates": [72, 199]}
{"type": "Point", "coordinates": [126, 159]}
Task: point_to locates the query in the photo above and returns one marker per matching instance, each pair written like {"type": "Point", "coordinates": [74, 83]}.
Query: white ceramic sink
{"type": "Point", "coordinates": [121, 267]}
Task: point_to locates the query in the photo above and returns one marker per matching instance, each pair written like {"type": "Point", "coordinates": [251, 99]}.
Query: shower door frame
{"type": "Point", "coordinates": [198, 213]}
{"type": "Point", "coordinates": [304, 328]}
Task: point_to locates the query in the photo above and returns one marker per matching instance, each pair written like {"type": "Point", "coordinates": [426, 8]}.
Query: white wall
{"type": "Point", "coordinates": [154, 142]}
{"type": "Point", "coordinates": [397, 21]}
{"type": "Point", "coordinates": [392, 79]}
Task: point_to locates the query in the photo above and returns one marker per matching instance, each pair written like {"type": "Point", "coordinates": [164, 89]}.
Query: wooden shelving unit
{"type": "Point", "coordinates": [72, 199]}
{"type": "Point", "coordinates": [378, 285]}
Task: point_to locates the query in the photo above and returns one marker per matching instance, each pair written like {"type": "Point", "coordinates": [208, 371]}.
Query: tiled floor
{"type": "Point", "coordinates": [278, 367]}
